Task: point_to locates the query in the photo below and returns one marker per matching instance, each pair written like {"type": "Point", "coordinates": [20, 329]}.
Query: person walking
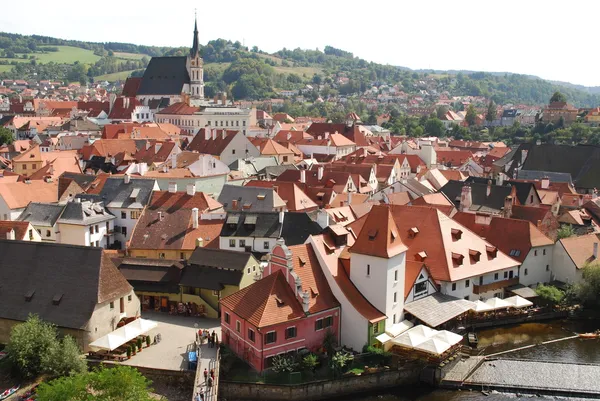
{"type": "Point", "coordinates": [213, 336]}
{"type": "Point", "coordinates": [205, 374]}
{"type": "Point", "coordinates": [212, 373]}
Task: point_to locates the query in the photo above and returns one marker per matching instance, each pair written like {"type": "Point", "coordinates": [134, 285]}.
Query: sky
{"type": "Point", "coordinates": [552, 39]}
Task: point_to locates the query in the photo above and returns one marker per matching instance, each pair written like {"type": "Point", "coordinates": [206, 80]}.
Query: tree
{"type": "Point", "coordinates": [588, 289]}
{"type": "Point", "coordinates": [490, 115]}
{"type": "Point", "coordinates": [471, 116]}
{"type": "Point", "coordinates": [441, 111]}
{"type": "Point", "coordinates": [434, 127]}
{"type": "Point", "coordinates": [121, 383]}
{"type": "Point", "coordinates": [565, 231]}
{"type": "Point", "coordinates": [558, 97]}
{"type": "Point", "coordinates": [34, 348]}
{"type": "Point", "coordinates": [6, 136]}
{"type": "Point", "coordinates": [550, 294]}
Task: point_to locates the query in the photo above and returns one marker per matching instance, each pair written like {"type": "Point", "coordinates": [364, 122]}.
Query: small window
{"type": "Point", "coordinates": [285, 159]}
{"type": "Point", "coordinates": [48, 233]}
{"type": "Point", "coordinates": [238, 326]}
{"type": "Point", "coordinates": [34, 166]}
{"type": "Point", "coordinates": [226, 317]}
{"type": "Point", "coordinates": [453, 286]}
{"type": "Point", "coordinates": [162, 255]}
{"type": "Point", "coordinates": [233, 151]}
{"type": "Point", "coordinates": [495, 276]}
{"type": "Point", "coordinates": [251, 335]}
{"type": "Point", "coordinates": [270, 337]}
{"type": "Point", "coordinates": [467, 283]}
{"type": "Point", "coordinates": [112, 305]}
{"type": "Point", "coordinates": [319, 324]}
{"type": "Point", "coordinates": [181, 255]}
{"type": "Point", "coordinates": [525, 272]}
{"type": "Point", "coordinates": [368, 270]}
{"type": "Point", "coordinates": [134, 214]}
{"type": "Point", "coordinates": [266, 245]}
{"type": "Point", "coordinates": [420, 287]}
{"type": "Point", "coordinates": [129, 298]}
{"type": "Point", "coordinates": [232, 243]}
{"type": "Point", "coordinates": [395, 297]}
{"type": "Point", "coordinates": [248, 270]}
{"type": "Point", "coordinates": [96, 229]}
{"type": "Point", "coordinates": [505, 274]}
{"type": "Point", "coordinates": [328, 321]}
{"type": "Point", "coordinates": [216, 293]}
{"type": "Point", "coordinates": [290, 332]}
{"type": "Point", "coordinates": [91, 230]}
{"type": "Point", "coordinates": [123, 215]}
{"type": "Point", "coordinates": [395, 275]}
{"type": "Point", "coordinates": [242, 243]}
{"type": "Point", "coordinates": [543, 251]}
{"type": "Point", "coordinates": [394, 320]}
{"type": "Point", "coordinates": [535, 253]}
{"type": "Point", "coordinates": [547, 267]}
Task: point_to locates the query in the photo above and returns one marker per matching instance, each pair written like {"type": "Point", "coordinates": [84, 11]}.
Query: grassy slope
{"type": "Point", "coordinates": [65, 55]}
{"type": "Point", "coordinates": [130, 56]}
{"type": "Point", "coordinates": [116, 76]}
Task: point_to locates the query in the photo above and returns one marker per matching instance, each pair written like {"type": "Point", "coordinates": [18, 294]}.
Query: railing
{"type": "Point", "coordinates": [480, 289]}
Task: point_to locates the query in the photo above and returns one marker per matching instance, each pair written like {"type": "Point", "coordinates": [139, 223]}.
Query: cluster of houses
{"type": "Point", "coordinates": [287, 236]}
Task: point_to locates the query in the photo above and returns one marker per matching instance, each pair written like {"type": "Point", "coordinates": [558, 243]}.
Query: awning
{"type": "Point", "coordinates": [124, 334]}
{"type": "Point", "coordinates": [383, 338]}
{"type": "Point", "coordinates": [234, 219]}
{"type": "Point", "coordinates": [250, 219]}
{"type": "Point", "coordinates": [522, 291]}
{"type": "Point", "coordinates": [428, 340]}
{"type": "Point", "coordinates": [518, 302]}
{"type": "Point", "coordinates": [437, 308]}
{"type": "Point", "coordinates": [399, 328]}
{"type": "Point", "coordinates": [497, 303]}
{"type": "Point", "coordinates": [481, 307]}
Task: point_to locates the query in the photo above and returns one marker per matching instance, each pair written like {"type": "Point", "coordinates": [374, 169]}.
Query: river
{"type": "Point", "coordinates": [492, 341]}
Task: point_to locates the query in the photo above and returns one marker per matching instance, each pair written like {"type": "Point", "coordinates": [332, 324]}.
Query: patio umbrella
{"type": "Point", "coordinates": [497, 303]}
{"type": "Point", "coordinates": [518, 302]}
{"type": "Point", "coordinates": [481, 307]}
{"type": "Point", "coordinates": [448, 337]}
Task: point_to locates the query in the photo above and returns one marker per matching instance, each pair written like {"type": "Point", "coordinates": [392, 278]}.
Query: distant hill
{"type": "Point", "coordinates": [253, 74]}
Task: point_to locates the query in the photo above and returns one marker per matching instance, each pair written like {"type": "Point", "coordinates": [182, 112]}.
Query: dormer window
{"type": "Point", "coordinates": [456, 234]}
{"type": "Point", "coordinates": [29, 295]}
{"type": "Point", "coordinates": [421, 256]}
{"type": "Point", "coordinates": [492, 251]}
{"type": "Point", "coordinates": [457, 258]}
{"type": "Point", "coordinates": [301, 260]}
{"type": "Point", "coordinates": [413, 232]}
{"type": "Point", "coordinates": [372, 234]}
{"type": "Point", "coordinates": [475, 255]}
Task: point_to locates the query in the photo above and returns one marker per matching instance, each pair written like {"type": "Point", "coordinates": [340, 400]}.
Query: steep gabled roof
{"type": "Point", "coordinates": [211, 146]}
{"type": "Point", "coordinates": [267, 302]}
{"type": "Point", "coordinates": [164, 76]}
{"type": "Point", "coordinates": [379, 235]}
{"type": "Point", "coordinates": [20, 228]}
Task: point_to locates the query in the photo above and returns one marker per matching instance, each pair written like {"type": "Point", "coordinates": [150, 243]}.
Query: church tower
{"type": "Point", "coordinates": [196, 68]}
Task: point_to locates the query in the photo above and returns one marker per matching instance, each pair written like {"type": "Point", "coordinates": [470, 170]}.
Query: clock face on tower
{"type": "Point", "coordinates": [193, 63]}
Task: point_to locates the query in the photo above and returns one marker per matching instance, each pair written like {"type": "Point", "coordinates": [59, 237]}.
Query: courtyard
{"type": "Point", "coordinates": [178, 334]}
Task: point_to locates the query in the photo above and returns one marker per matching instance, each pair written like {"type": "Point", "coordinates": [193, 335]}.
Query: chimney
{"type": "Point", "coordinates": [127, 179]}
{"type": "Point", "coordinates": [214, 134]}
{"type": "Point", "coordinates": [195, 217]}
{"type": "Point", "coordinates": [172, 187]}
{"type": "Point", "coordinates": [207, 133]}
{"type": "Point", "coordinates": [303, 176]}
{"type": "Point", "coordinates": [305, 301]}
{"type": "Point", "coordinates": [281, 216]}
{"type": "Point", "coordinates": [545, 182]}
{"type": "Point", "coordinates": [160, 216]}
{"type": "Point", "coordinates": [349, 198]}
{"type": "Point", "coordinates": [466, 199]}
{"type": "Point", "coordinates": [327, 135]}
{"type": "Point", "coordinates": [320, 171]}
{"type": "Point", "coordinates": [508, 203]}
{"type": "Point", "coordinates": [224, 133]}
{"type": "Point", "coordinates": [234, 204]}
{"type": "Point", "coordinates": [289, 136]}
{"type": "Point", "coordinates": [174, 160]}
{"type": "Point", "coordinates": [500, 179]}
{"type": "Point", "coordinates": [488, 190]}
{"type": "Point", "coordinates": [78, 200]}
{"type": "Point", "coordinates": [191, 189]}
{"type": "Point", "coordinates": [11, 235]}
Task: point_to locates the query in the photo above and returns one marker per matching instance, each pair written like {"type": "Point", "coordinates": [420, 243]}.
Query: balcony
{"type": "Point", "coordinates": [480, 289]}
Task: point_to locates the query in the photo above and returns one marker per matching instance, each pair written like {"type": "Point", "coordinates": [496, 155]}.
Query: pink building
{"type": "Point", "coordinates": [291, 308]}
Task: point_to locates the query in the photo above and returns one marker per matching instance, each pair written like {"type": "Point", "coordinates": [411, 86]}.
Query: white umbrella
{"type": "Point", "coordinates": [448, 337]}
{"type": "Point", "coordinates": [481, 307]}
{"type": "Point", "coordinates": [497, 303]}
{"type": "Point", "coordinates": [518, 302]}
{"type": "Point", "coordinates": [434, 346]}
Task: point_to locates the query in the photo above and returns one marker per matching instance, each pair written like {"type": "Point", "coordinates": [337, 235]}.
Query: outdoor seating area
{"type": "Point", "coordinates": [496, 308]}
{"type": "Point", "coordinates": [124, 342]}
{"type": "Point", "coordinates": [425, 343]}
{"type": "Point", "coordinates": [164, 304]}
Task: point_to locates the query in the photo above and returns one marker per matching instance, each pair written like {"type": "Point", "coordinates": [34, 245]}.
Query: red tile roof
{"type": "Point", "coordinates": [123, 107]}
{"type": "Point", "coordinates": [211, 146]}
{"type": "Point", "coordinates": [267, 302]}
{"type": "Point", "coordinates": [131, 86]}
{"type": "Point", "coordinates": [20, 228]}
{"type": "Point", "coordinates": [379, 235]}
{"type": "Point", "coordinates": [180, 108]}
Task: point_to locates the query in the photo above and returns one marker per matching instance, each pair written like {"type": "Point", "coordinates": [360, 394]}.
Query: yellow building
{"type": "Point", "coordinates": [28, 162]}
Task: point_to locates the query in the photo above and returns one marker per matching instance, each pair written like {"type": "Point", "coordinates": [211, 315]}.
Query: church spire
{"type": "Point", "coordinates": [195, 48]}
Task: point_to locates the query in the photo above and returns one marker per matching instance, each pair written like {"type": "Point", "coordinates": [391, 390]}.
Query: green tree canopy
{"type": "Point", "coordinates": [121, 383]}
{"type": "Point", "coordinates": [588, 289]}
{"type": "Point", "coordinates": [471, 116]}
{"type": "Point", "coordinates": [550, 294]}
{"type": "Point", "coordinates": [490, 115]}
{"type": "Point", "coordinates": [6, 136]}
{"type": "Point", "coordinates": [558, 97]}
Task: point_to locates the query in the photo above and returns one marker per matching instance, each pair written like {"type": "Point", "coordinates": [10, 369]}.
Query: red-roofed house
{"type": "Point", "coordinates": [290, 309]}
{"type": "Point", "coordinates": [227, 146]}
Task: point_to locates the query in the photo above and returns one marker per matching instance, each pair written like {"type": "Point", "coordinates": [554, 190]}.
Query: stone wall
{"type": "Point", "coordinates": [321, 390]}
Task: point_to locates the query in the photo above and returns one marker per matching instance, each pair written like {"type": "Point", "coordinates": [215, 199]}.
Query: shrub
{"type": "Point", "coordinates": [129, 351]}
{"type": "Point", "coordinates": [139, 343]}
{"type": "Point", "coordinates": [283, 364]}
{"type": "Point", "coordinates": [310, 362]}
{"type": "Point", "coordinates": [147, 341]}
{"type": "Point", "coordinates": [550, 294]}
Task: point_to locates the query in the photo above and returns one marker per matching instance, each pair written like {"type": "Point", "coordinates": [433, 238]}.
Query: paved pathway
{"type": "Point", "coordinates": [178, 336]}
